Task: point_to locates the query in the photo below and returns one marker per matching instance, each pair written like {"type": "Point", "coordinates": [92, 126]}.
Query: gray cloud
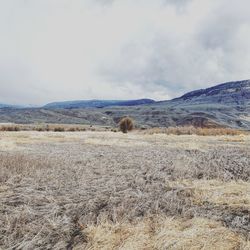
{"type": "Point", "coordinates": [105, 2]}
{"type": "Point", "coordinates": [61, 49]}
{"type": "Point", "coordinates": [215, 49]}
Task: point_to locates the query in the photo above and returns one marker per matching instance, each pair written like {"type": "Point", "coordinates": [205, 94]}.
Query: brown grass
{"type": "Point", "coordinates": [141, 192]}
{"type": "Point", "coordinates": [164, 233]}
{"type": "Point", "coordinates": [195, 131]}
{"type": "Point", "coordinates": [59, 129]}
{"type": "Point", "coordinates": [231, 194]}
{"type": "Point", "coordinates": [126, 124]}
{"type": "Point", "coordinates": [49, 127]}
{"type": "Point", "coordinates": [10, 128]}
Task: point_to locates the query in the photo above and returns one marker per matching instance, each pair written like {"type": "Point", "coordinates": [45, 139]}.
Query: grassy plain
{"type": "Point", "coordinates": [106, 190]}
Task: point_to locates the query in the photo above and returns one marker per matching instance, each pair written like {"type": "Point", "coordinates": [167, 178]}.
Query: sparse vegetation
{"type": "Point", "coordinates": [9, 128]}
{"type": "Point", "coordinates": [49, 127]}
{"type": "Point", "coordinates": [126, 124]}
{"type": "Point", "coordinates": [72, 129]}
{"type": "Point", "coordinates": [59, 129]}
{"type": "Point", "coordinates": [189, 130]}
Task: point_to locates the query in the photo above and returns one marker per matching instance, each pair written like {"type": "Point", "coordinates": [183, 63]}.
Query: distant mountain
{"type": "Point", "coordinates": [2, 105]}
{"type": "Point", "coordinates": [231, 93]}
{"type": "Point", "coordinates": [224, 105]}
{"type": "Point", "coordinates": [96, 103]}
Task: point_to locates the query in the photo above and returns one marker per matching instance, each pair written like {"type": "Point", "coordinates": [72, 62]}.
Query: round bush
{"type": "Point", "coordinates": [126, 124]}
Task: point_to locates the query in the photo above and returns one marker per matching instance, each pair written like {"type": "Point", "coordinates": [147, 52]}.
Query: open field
{"type": "Point", "coordinates": [106, 190]}
{"type": "Point", "coordinates": [181, 130]}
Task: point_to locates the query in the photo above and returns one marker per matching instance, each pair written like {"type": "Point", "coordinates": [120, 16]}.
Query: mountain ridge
{"type": "Point", "coordinates": [4, 105]}
{"type": "Point", "coordinates": [234, 92]}
{"type": "Point", "coordinates": [240, 89]}
{"type": "Point", "coordinates": [95, 103]}
{"type": "Point", "coordinates": [223, 105]}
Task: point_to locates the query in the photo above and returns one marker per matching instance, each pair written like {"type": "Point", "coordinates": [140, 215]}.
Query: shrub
{"type": "Point", "coordinates": [71, 129]}
{"type": "Point", "coordinates": [10, 128]}
{"type": "Point", "coordinates": [126, 124]}
{"type": "Point", "coordinates": [59, 129]}
{"type": "Point", "coordinates": [39, 129]}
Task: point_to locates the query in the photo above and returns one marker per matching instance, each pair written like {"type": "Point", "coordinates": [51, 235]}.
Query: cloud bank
{"type": "Point", "coordinates": [54, 50]}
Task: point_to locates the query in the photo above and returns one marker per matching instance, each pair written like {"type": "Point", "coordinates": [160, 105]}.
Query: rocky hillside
{"type": "Point", "coordinates": [224, 105]}
{"type": "Point", "coordinates": [232, 93]}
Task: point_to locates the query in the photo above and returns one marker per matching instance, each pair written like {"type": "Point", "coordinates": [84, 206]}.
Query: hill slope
{"type": "Point", "coordinates": [97, 103]}
{"type": "Point", "coordinates": [231, 93]}
{"type": "Point", "coordinates": [226, 105]}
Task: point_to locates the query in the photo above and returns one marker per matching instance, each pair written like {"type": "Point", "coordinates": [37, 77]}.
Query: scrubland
{"type": "Point", "coordinates": [141, 190]}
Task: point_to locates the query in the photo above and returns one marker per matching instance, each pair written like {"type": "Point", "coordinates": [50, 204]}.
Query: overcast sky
{"type": "Point", "coordinates": [53, 50]}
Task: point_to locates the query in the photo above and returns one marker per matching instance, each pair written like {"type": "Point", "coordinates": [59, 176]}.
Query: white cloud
{"type": "Point", "coordinates": [119, 49]}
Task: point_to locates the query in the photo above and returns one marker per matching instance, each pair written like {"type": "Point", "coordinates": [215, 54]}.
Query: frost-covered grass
{"type": "Point", "coordinates": [105, 190]}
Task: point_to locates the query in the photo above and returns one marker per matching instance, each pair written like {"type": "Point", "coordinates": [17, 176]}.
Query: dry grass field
{"type": "Point", "coordinates": [106, 190]}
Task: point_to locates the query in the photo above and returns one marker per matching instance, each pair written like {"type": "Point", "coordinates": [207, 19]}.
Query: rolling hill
{"type": "Point", "coordinates": [224, 105]}
{"type": "Point", "coordinates": [231, 93]}
{"type": "Point", "coordinates": [96, 103]}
